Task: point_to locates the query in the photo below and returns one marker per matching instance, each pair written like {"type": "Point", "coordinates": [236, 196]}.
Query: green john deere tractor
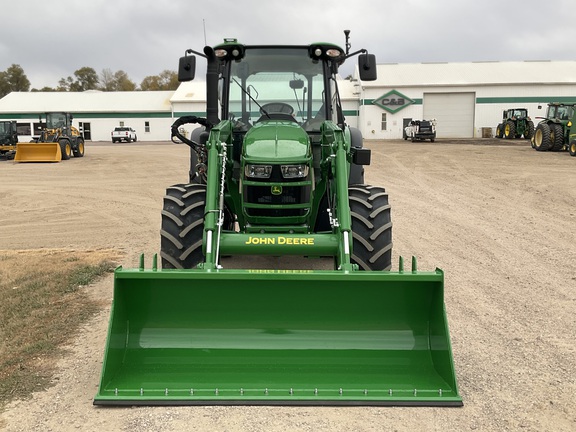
{"type": "Point", "coordinates": [515, 124]}
{"type": "Point", "coordinates": [275, 171]}
{"type": "Point", "coordinates": [553, 131]}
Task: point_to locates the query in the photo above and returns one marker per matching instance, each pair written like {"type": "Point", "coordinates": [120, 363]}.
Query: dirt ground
{"type": "Point", "coordinates": [497, 217]}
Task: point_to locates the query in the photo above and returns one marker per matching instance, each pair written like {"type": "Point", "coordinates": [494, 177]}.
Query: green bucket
{"type": "Point", "coordinates": [273, 337]}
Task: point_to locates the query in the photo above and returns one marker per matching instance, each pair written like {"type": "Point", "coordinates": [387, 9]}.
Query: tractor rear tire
{"type": "Point", "coordinates": [542, 141]}
{"type": "Point", "coordinates": [371, 227]}
{"type": "Point", "coordinates": [556, 137]}
{"type": "Point", "coordinates": [572, 148]}
{"type": "Point", "coordinates": [182, 226]}
{"type": "Point", "coordinates": [510, 130]}
{"type": "Point", "coordinates": [66, 148]}
{"type": "Point", "coordinates": [529, 131]}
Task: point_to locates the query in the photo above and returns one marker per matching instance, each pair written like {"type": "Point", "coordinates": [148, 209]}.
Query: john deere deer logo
{"type": "Point", "coordinates": [276, 190]}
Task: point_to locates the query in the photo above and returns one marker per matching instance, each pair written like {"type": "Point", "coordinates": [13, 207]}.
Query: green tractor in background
{"type": "Point", "coordinates": [553, 131]}
{"type": "Point", "coordinates": [515, 124]}
{"type": "Point", "coordinates": [275, 170]}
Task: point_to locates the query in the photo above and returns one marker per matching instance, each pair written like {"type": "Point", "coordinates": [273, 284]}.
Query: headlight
{"type": "Point", "coordinates": [258, 171]}
{"type": "Point", "coordinates": [294, 171]}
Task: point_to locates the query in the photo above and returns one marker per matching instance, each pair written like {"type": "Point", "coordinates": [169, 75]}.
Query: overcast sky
{"type": "Point", "coordinates": [52, 39]}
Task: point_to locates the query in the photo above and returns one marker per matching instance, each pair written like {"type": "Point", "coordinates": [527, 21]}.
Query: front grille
{"type": "Point", "coordinates": [290, 195]}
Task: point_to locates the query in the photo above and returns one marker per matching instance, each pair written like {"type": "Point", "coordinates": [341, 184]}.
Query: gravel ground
{"type": "Point", "coordinates": [497, 217]}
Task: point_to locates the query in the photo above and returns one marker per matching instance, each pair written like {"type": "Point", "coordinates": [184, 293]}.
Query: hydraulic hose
{"type": "Point", "coordinates": [175, 132]}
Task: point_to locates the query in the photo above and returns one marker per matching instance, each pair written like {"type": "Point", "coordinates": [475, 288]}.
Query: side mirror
{"type": "Point", "coordinates": [186, 68]}
{"type": "Point", "coordinates": [367, 67]}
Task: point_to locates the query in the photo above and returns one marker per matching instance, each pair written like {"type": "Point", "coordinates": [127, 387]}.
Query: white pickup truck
{"type": "Point", "coordinates": [124, 133]}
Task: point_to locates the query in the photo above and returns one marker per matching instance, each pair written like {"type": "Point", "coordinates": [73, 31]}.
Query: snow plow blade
{"type": "Point", "coordinates": [278, 337]}
{"type": "Point", "coordinates": [38, 152]}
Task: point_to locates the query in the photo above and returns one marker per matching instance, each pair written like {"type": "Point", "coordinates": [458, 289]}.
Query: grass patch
{"type": "Point", "coordinates": [44, 300]}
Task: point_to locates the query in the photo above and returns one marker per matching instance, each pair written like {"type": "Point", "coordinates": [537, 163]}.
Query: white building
{"type": "Point", "coordinates": [95, 113]}
{"type": "Point", "coordinates": [466, 99]}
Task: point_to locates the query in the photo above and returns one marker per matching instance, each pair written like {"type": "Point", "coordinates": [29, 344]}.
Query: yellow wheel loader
{"type": "Point", "coordinates": [276, 171]}
{"type": "Point", "coordinates": [59, 140]}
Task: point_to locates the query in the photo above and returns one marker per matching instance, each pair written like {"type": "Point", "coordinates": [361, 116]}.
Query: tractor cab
{"type": "Point", "coordinates": [287, 83]}
{"type": "Point", "coordinates": [57, 120]}
{"type": "Point", "coordinates": [57, 124]}
{"type": "Point", "coordinates": [560, 112]}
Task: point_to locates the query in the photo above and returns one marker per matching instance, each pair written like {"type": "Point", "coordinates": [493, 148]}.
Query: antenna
{"type": "Point", "coordinates": [347, 34]}
{"type": "Point", "coordinates": [204, 25]}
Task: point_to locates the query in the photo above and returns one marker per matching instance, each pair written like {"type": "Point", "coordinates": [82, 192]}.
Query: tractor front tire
{"type": "Point", "coordinates": [182, 226]}
{"type": "Point", "coordinates": [371, 227]}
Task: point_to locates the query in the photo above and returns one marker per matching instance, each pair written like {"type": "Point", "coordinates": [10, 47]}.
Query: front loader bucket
{"type": "Point", "coordinates": [276, 337]}
{"type": "Point", "coordinates": [38, 152]}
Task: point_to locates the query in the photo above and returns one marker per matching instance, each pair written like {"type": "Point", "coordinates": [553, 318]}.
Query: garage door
{"type": "Point", "coordinates": [453, 111]}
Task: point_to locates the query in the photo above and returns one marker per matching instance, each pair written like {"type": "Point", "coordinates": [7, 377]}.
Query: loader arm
{"type": "Point", "coordinates": [333, 136]}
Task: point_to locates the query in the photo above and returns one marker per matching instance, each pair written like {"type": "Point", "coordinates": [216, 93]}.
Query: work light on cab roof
{"type": "Point", "coordinates": [230, 50]}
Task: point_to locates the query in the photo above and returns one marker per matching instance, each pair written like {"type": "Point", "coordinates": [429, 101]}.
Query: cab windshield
{"type": "Point", "coordinates": [55, 120]}
{"type": "Point", "coordinates": [277, 83]}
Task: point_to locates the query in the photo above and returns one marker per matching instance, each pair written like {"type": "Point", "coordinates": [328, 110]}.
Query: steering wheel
{"type": "Point", "coordinates": [276, 108]}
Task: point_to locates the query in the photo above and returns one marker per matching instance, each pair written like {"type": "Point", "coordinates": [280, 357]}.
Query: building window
{"type": "Point", "coordinates": [23, 129]}
{"type": "Point", "coordinates": [146, 126]}
{"type": "Point", "coordinates": [121, 124]}
{"type": "Point", "coordinates": [383, 121]}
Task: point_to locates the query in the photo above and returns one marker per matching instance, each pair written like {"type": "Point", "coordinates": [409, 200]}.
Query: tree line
{"type": "Point", "coordinates": [86, 78]}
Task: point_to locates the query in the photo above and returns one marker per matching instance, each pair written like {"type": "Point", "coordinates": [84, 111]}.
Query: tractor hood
{"type": "Point", "coordinates": [278, 141]}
